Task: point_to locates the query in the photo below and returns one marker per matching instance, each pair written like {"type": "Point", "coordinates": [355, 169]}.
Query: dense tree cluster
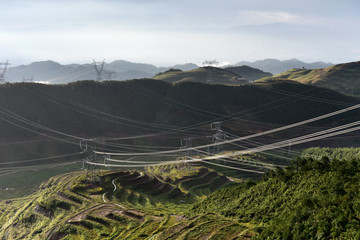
{"type": "Point", "coordinates": [311, 199]}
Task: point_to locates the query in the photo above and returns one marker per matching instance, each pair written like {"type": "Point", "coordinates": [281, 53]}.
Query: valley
{"type": "Point", "coordinates": [175, 157]}
{"type": "Point", "coordinates": [179, 120]}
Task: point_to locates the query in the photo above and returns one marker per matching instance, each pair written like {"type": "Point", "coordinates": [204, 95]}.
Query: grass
{"type": "Point", "coordinates": [219, 76]}
{"type": "Point", "coordinates": [79, 214]}
{"type": "Point", "coordinates": [344, 78]}
{"type": "Point", "coordinates": [28, 181]}
{"type": "Point", "coordinates": [156, 199]}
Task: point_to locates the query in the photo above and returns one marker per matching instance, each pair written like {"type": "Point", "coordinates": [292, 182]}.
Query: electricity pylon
{"type": "Point", "coordinates": [210, 65]}
{"type": "Point", "coordinates": [186, 143]}
{"type": "Point", "coordinates": [218, 137]}
{"type": "Point", "coordinates": [3, 68]}
{"type": "Point", "coordinates": [99, 67]}
{"type": "Point", "coordinates": [109, 75]}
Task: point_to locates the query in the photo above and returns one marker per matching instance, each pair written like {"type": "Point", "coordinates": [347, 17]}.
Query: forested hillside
{"type": "Point", "coordinates": [313, 199]}
{"type": "Point", "coordinates": [310, 199]}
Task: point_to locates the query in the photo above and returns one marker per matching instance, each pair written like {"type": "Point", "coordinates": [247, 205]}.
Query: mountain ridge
{"type": "Point", "coordinates": [213, 75]}
{"type": "Point", "coordinates": [55, 73]}
{"type": "Point", "coordinates": [344, 78]}
{"type": "Point", "coordinates": [276, 66]}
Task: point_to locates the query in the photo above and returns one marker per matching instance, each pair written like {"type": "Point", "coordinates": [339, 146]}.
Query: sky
{"type": "Point", "coordinates": [167, 32]}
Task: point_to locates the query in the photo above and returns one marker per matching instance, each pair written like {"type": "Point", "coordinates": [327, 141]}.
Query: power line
{"type": "Point", "coordinates": [245, 137]}
{"type": "Point", "coordinates": [236, 168]}
{"type": "Point", "coordinates": [99, 67]}
{"type": "Point", "coordinates": [3, 68]}
{"type": "Point", "coordinates": [41, 166]}
{"type": "Point", "coordinates": [41, 159]}
{"type": "Point", "coordinates": [306, 138]}
{"type": "Point", "coordinates": [185, 128]}
{"type": "Point", "coordinates": [295, 141]}
{"type": "Point", "coordinates": [33, 131]}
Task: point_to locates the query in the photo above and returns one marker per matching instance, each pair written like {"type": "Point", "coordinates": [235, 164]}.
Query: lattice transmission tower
{"type": "Point", "coordinates": [186, 144]}
{"type": "Point", "coordinates": [3, 68]}
{"type": "Point", "coordinates": [88, 146]}
{"type": "Point", "coordinates": [210, 65]}
{"type": "Point", "coordinates": [109, 75]}
{"type": "Point", "coordinates": [99, 68]}
{"type": "Point", "coordinates": [218, 137]}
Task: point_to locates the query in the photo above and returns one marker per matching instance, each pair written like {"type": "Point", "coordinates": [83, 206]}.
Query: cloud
{"type": "Point", "coordinates": [164, 31]}
{"type": "Point", "coordinates": [263, 17]}
{"type": "Point", "coordinates": [224, 63]}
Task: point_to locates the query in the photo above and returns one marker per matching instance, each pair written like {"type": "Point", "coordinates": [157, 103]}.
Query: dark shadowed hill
{"type": "Point", "coordinates": [120, 109]}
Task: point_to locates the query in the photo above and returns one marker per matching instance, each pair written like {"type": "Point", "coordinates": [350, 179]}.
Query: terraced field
{"type": "Point", "coordinates": [119, 205]}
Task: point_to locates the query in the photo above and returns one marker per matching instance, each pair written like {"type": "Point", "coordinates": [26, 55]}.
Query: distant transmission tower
{"type": "Point", "coordinates": [210, 65]}
{"type": "Point", "coordinates": [88, 146]}
{"type": "Point", "coordinates": [92, 170]}
{"type": "Point", "coordinates": [3, 67]}
{"type": "Point", "coordinates": [99, 67]}
{"type": "Point", "coordinates": [218, 137]}
{"type": "Point", "coordinates": [186, 143]}
{"type": "Point", "coordinates": [109, 75]}
{"type": "Point", "coordinates": [106, 160]}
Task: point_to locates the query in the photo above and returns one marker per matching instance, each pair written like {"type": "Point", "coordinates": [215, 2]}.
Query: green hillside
{"type": "Point", "coordinates": [314, 199]}
{"type": "Point", "coordinates": [217, 75]}
{"type": "Point", "coordinates": [344, 78]}
{"type": "Point", "coordinates": [248, 73]}
{"type": "Point", "coordinates": [226, 76]}
{"type": "Point", "coordinates": [118, 205]}
{"type": "Point", "coordinates": [90, 109]}
{"type": "Point", "coordinates": [311, 199]}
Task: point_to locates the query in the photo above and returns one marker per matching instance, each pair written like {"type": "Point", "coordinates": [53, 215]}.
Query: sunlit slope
{"type": "Point", "coordinates": [118, 205]}
{"type": "Point", "coordinates": [248, 73]}
{"type": "Point", "coordinates": [344, 78]}
{"type": "Point", "coordinates": [312, 199]}
{"type": "Point", "coordinates": [202, 75]}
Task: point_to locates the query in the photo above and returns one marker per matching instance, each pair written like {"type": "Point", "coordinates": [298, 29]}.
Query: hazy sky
{"type": "Point", "coordinates": [165, 32]}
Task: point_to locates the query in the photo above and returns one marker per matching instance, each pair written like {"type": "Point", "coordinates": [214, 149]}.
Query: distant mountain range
{"type": "Point", "coordinates": [344, 78]}
{"type": "Point", "coordinates": [275, 66]}
{"type": "Point", "coordinates": [55, 73]}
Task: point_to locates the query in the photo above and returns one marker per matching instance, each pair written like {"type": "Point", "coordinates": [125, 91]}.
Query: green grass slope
{"type": "Point", "coordinates": [218, 75]}
{"type": "Point", "coordinates": [311, 199]}
{"type": "Point", "coordinates": [117, 205]}
{"type": "Point", "coordinates": [344, 78]}
{"type": "Point", "coordinates": [248, 73]}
